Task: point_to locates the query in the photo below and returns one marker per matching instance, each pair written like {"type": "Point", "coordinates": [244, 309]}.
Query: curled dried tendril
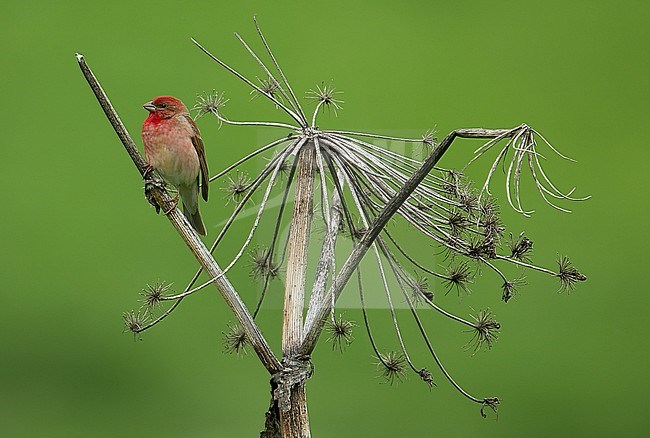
{"type": "Point", "coordinates": [522, 141]}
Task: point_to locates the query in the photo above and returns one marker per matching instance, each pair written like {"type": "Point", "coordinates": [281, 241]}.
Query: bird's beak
{"type": "Point", "coordinates": [149, 106]}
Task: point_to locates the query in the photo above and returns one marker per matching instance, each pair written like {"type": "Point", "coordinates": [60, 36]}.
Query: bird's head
{"type": "Point", "coordinates": [165, 107]}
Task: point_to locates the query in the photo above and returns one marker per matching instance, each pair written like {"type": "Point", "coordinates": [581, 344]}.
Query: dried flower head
{"type": "Point", "coordinates": [262, 265]}
{"type": "Point", "coordinates": [511, 288]}
{"type": "Point", "coordinates": [153, 294]}
{"type": "Point", "coordinates": [489, 219]}
{"type": "Point", "coordinates": [491, 403]}
{"type": "Point", "coordinates": [209, 103]}
{"type": "Point", "coordinates": [420, 289]}
{"type": "Point", "coordinates": [488, 206]}
{"type": "Point", "coordinates": [285, 165]}
{"type": "Point", "coordinates": [480, 247]}
{"type": "Point", "coordinates": [340, 333]}
{"type": "Point", "coordinates": [485, 331]}
{"type": "Point", "coordinates": [392, 366]}
{"type": "Point", "coordinates": [269, 87]}
{"type": "Point", "coordinates": [520, 247]}
{"type": "Point", "coordinates": [429, 138]}
{"type": "Point", "coordinates": [452, 182]}
{"type": "Point", "coordinates": [457, 222]}
{"type": "Point", "coordinates": [324, 94]}
{"type": "Point", "coordinates": [467, 198]}
{"type": "Point", "coordinates": [236, 187]}
{"type": "Point", "coordinates": [235, 340]}
{"type": "Point", "coordinates": [135, 321]}
{"type": "Point", "coordinates": [459, 276]}
{"type": "Point", "coordinates": [426, 377]}
{"type": "Point", "coordinates": [568, 274]}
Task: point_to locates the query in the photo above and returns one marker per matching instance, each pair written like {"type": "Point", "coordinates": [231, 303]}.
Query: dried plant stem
{"type": "Point", "coordinates": [326, 256]}
{"type": "Point", "coordinates": [297, 252]}
{"type": "Point", "coordinates": [295, 420]}
{"type": "Point", "coordinates": [251, 155]}
{"type": "Point", "coordinates": [189, 236]}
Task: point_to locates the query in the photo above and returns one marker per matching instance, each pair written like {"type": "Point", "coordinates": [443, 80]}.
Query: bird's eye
{"type": "Point", "coordinates": [163, 105]}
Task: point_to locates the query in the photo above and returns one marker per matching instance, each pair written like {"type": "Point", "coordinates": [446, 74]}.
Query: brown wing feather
{"type": "Point", "coordinates": [200, 151]}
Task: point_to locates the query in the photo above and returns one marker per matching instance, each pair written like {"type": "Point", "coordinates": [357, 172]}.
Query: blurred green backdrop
{"type": "Point", "coordinates": [79, 241]}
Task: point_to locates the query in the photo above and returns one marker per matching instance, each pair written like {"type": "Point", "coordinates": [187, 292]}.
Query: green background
{"type": "Point", "coordinates": [79, 241]}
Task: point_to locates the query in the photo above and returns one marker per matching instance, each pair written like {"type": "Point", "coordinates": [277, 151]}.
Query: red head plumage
{"type": "Point", "coordinates": [165, 107]}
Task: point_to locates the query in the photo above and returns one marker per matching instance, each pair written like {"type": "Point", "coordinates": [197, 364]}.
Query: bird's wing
{"type": "Point", "coordinates": [200, 151]}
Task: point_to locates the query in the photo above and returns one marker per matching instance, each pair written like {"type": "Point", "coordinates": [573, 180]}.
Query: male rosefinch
{"type": "Point", "coordinates": [173, 147]}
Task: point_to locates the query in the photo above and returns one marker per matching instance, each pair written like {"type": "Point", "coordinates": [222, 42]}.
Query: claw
{"type": "Point", "coordinates": [174, 202]}
{"type": "Point", "coordinates": [147, 170]}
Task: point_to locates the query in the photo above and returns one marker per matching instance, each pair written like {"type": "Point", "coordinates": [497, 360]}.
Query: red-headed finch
{"type": "Point", "coordinates": [173, 147]}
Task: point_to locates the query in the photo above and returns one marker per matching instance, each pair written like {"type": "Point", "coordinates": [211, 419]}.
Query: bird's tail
{"type": "Point", "coordinates": [190, 198]}
{"type": "Point", "coordinates": [195, 220]}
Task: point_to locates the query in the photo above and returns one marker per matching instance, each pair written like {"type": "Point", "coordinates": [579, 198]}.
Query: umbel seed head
{"type": "Point", "coordinates": [235, 340]}
{"type": "Point", "coordinates": [340, 333]}
{"type": "Point", "coordinates": [392, 366]}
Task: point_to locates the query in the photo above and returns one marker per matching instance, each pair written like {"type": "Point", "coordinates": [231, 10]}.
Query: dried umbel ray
{"type": "Point", "coordinates": [355, 179]}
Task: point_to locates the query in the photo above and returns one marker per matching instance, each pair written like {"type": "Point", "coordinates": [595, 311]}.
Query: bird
{"type": "Point", "coordinates": [174, 148]}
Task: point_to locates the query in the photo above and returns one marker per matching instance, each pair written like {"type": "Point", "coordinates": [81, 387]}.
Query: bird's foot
{"type": "Point", "coordinates": [174, 204]}
{"type": "Point", "coordinates": [148, 168]}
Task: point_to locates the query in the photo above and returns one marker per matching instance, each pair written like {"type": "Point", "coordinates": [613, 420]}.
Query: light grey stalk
{"type": "Point", "coordinates": [186, 231]}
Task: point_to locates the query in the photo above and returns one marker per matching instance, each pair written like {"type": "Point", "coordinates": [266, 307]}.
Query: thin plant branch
{"type": "Point", "coordinates": [277, 66]}
{"type": "Point", "coordinates": [250, 83]}
{"type": "Point", "coordinates": [274, 82]}
{"type": "Point", "coordinates": [187, 233]}
{"type": "Point", "coordinates": [327, 257]}
{"type": "Point", "coordinates": [249, 156]}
